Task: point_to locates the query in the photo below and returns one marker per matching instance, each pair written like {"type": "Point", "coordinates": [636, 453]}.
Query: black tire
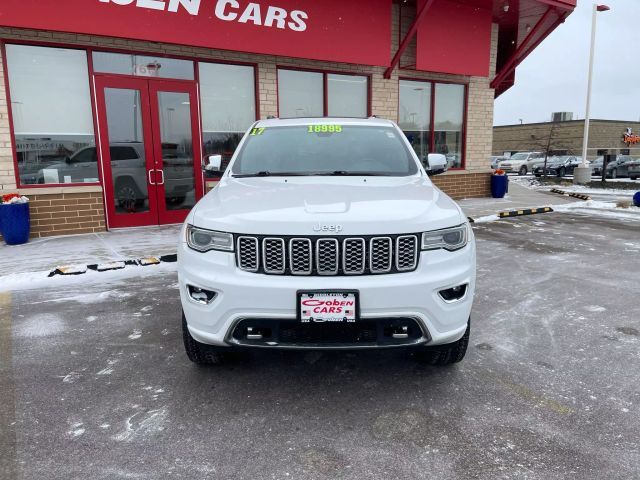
{"type": "Point", "coordinates": [199, 352]}
{"type": "Point", "coordinates": [633, 178]}
{"type": "Point", "coordinates": [449, 353]}
{"type": "Point", "coordinates": [523, 170]}
{"type": "Point", "coordinates": [562, 172]}
{"type": "Point", "coordinates": [128, 194]}
{"type": "Point", "coordinates": [538, 175]}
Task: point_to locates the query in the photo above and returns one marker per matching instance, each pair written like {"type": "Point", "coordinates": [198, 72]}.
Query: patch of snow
{"type": "Point", "coordinates": [41, 279]}
{"type": "Point", "coordinates": [71, 377]}
{"type": "Point", "coordinates": [41, 325]}
{"type": "Point", "coordinates": [142, 424]}
{"type": "Point", "coordinates": [595, 308]}
{"type": "Point", "coordinates": [135, 335]}
{"type": "Point", "coordinates": [105, 371]}
{"type": "Point", "coordinates": [487, 218]}
{"type": "Point", "coordinates": [76, 429]}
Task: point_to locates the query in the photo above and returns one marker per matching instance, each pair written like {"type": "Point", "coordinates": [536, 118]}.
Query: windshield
{"type": "Point", "coordinates": [519, 156]}
{"type": "Point", "coordinates": [324, 150]}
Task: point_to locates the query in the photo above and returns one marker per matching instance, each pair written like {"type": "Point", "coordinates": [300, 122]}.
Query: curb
{"type": "Point", "coordinates": [526, 211]}
{"type": "Point", "coordinates": [105, 267]}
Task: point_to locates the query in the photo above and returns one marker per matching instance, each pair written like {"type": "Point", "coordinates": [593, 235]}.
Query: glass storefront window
{"type": "Point", "coordinates": [52, 117]}
{"type": "Point", "coordinates": [445, 135]}
{"type": "Point", "coordinates": [347, 95]}
{"type": "Point", "coordinates": [228, 105]}
{"type": "Point", "coordinates": [300, 94]}
{"type": "Point", "coordinates": [448, 119]}
{"type": "Point", "coordinates": [415, 115]}
{"type": "Point", "coordinates": [142, 65]}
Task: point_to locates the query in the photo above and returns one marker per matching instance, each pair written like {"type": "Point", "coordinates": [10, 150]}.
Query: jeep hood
{"type": "Point", "coordinates": [297, 205]}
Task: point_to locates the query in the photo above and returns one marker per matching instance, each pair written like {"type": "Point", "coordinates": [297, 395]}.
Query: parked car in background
{"type": "Point", "coordinates": [129, 172]}
{"type": "Point", "coordinates": [633, 169]}
{"type": "Point", "coordinates": [558, 166]}
{"type": "Point", "coordinates": [617, 168]}
{"type": "Point", "coordinates": [521, 162]}
{"type": "Point", "coordinates": [495, 161]}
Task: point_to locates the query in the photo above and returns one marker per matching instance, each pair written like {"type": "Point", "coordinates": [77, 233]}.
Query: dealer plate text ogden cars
{"type": "Point", "coordinates": [326, 233]}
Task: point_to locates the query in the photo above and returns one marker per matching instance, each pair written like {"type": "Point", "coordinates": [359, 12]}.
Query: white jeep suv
{"type": "Point", "coordinates": [326, 233]}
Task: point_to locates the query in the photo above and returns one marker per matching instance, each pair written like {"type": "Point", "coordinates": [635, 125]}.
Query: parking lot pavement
{"type": "Point", "coordinates": [97, 385]}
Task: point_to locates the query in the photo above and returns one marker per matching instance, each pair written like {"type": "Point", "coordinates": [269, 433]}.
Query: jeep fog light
{"type": "Point", "coordinates": [200, 295]}
{"type": "Point", "coordinates": [454, 293]}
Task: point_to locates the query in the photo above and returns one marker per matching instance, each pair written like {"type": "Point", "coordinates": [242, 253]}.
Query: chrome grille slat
{"type": "Point", "coordinates": [273, 256]}
{"type": "Point", "coordinates": [247, 254]}
{"type": "Point", "coordinates": [406, 252]}
{"type": "Point", "coordinates": [327, 256]}
{"type": "Point", "coordinates": [353, 256]}
{"type": "Point", "coordinates": [300, 256]}
{"type": "Point", "coordinates": [380, 254]}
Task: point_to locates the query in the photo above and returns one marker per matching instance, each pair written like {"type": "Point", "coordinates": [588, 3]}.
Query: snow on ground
{"type": "Point", "coordinates": [589, 207]}
{"type": "Point", "coordinates": [41, 279]}
{"type": "Point", "coordinates": [535, 184]}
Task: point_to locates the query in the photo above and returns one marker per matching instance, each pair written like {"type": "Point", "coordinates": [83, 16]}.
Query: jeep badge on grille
{"type": "Point", "coordinates": [327, 227]}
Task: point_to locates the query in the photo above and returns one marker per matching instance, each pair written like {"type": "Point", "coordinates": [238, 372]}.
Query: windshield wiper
{"type": "Point", "coordinates": [267, 173]}
{"type": "Point", "coordinates": [345, 173]}
{"type": "Point", "coordinates": [335, 173]}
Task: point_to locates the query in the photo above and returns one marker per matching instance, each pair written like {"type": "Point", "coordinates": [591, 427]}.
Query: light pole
{"type": "Point", "coordinates": [582, 173]}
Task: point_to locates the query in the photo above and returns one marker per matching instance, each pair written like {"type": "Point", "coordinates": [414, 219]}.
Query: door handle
{"type": "Point", "coordinates": [162, 173]}
{"type": "Point", "coordinates": [149, 175]}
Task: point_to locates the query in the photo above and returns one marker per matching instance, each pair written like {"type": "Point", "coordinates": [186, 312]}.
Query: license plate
{"type": "Point", "coordinates": [333, 306]}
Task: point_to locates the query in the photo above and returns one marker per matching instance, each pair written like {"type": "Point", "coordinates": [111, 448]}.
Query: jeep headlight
{"type": "Point", "coordinates": [204, 240]}
{"type": "Point", "coordinates": [448, 238]}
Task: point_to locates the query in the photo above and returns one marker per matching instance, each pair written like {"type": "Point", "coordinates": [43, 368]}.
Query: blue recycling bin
{"type": "Point", "coordinates": [499, 185]}
{"type": "Point", "coordinates": [636, 199]}
{"type": "Point", "coordinates": [15, 223]}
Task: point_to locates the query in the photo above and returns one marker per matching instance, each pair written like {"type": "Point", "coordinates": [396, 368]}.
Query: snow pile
{"type": "Point", "coordinates": [41, 279]}
{"type": "Point", "coordinates": [595, 207]}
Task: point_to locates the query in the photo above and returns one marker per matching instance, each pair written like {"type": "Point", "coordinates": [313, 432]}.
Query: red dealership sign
{"type": "Point", "coordinates": [455, 37]}
{"type": "Point", "coordinates": [354, 31]}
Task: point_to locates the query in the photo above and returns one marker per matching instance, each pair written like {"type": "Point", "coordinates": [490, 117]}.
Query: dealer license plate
{"type": "Point", "coordinates": [327, 306]}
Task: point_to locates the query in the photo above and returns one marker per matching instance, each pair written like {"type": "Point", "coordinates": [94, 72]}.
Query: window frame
{"type": "Point", "coordinates": [432, 114]}
{"type": "Point", "coordinates": [90, 78]}
{"type": "Point", "coordinates": [325, 85]}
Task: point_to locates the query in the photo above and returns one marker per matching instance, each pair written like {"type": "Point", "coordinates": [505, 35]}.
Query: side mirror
{"type": "Point", "coordinates": [436, 163]}
{"type": "Point", "coordinates": [212, 163]}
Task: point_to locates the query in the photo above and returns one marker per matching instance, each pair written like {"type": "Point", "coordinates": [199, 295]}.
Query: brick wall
{"type": "Point", "coordinates": [66, 213]}
{"type": "Point", "coordinates": [468, 185]}
{"type": "Point", "coordinates": [384, 103]}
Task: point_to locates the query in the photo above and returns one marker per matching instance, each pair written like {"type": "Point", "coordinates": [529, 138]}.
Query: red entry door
{"type": "Point", "coordinates": [150, 150]}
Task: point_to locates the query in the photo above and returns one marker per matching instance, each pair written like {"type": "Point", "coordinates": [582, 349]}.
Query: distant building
{"type": "Point", "coordinates": [605, 136]}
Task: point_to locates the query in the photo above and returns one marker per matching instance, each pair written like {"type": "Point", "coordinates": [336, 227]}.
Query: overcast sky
{"type": "Point", "coordinates": [554, 77]}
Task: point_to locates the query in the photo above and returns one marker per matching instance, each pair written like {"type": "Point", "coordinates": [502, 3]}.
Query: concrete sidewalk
{"type": "Point", "coordinates": [49, 252]}
{"type": "Point", "coordinates": [518, 198]}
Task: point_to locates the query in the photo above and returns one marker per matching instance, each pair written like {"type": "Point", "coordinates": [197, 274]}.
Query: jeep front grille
{"type": "Point", "coordinates": [327, 255]}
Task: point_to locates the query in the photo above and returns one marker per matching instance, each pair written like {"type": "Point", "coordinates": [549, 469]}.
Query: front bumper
{"type": "Point", "coordinates": [243, 296]}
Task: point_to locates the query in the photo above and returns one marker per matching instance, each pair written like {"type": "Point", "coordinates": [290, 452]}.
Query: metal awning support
{"type": "Point", "coordinates": [408, 37]}
{"type": "Point", "coordinates": [516, 56]}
